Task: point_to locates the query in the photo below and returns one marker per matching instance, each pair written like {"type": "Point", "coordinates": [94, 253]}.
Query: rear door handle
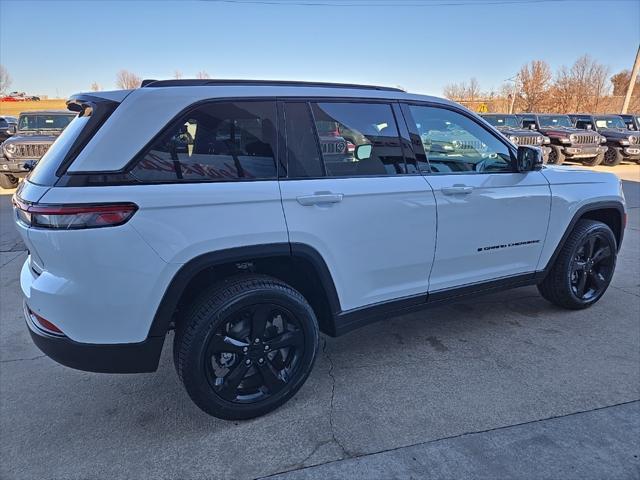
{"type": "Point", "coordinates": [457, 190]}
{"type": "Point", "coordinates": [320, 198]}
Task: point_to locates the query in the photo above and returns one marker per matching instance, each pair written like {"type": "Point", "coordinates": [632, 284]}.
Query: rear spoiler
{"type": "Point", "coordinates": [98, 109]}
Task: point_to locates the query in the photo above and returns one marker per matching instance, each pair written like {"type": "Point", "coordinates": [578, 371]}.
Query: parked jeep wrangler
{"type": "Point", "coordinates": [632, 122]}
{"type": "Point", "coordinates": [510, 127]}
{"type": "Point", "coordinates": [7, 127]}
{"type": "Point", "coordinates": [248, 241]}
{"type": "Point", "coordinates": [36, 131]}
{"type": "Point", "coordinates": [621, 143]}
{"type": "Point", "coordinates": [567, 142]}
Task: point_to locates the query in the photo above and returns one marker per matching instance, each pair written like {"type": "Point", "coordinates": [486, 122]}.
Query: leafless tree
{"type": "Point", "coordinates": [95, 87]}
{"type": "Point", "coordinates": [127, 80]}
{"type": "Point", "coordinates": [589, 83]}
{"type": "Point", "coordinates": [533, 85]}
{"type": "Point", "coordinates": [5, 80]}
{"type": "Point", "coordinates": [473, 89]}
{"type": "Point", "coordinates": [454, 91]}
{"type": "Point", "coordinates": [620, 82]}
{"type": "Point", "coordinates": [562, 92]}
{"type": "Point", "coordinates": [202, 75]}
{"type": "Point", "coordinates": [177, 74]}
{"type": "Point", "coordinates": [463, 91]}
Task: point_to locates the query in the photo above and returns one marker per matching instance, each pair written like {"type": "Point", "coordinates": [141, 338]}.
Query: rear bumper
{"type": "Point", "coordinates": [105, 358]}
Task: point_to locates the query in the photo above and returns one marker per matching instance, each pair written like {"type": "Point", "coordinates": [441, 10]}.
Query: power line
{"type": "Point", "coordinates": [414, 3]}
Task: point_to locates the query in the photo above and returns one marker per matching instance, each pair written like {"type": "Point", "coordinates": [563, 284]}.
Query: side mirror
{"type": "Point", "coordinates": [363, 152]}
{"type": "Point", "coordinates": [528, 159]}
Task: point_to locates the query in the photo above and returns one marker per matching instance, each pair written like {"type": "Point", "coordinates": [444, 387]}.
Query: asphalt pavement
{"type": "Point", "coordinates": [502, 386]}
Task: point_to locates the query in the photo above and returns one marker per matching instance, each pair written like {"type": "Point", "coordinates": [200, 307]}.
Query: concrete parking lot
{"type": "Point", "coordinates": [502, 386]}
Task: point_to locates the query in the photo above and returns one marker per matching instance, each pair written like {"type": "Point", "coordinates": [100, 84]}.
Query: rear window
{"type": "Point", "coordinates": [73, 139]}
{"type": "Point", "coordinates": [46, 167]}
{"type": "Point", "coordinates": [44, 121]}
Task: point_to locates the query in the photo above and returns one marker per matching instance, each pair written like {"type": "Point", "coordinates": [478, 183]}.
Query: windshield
{"type": "Point", "coordinates": [610, 122]}
{"type": "Point", "coordinates": [43, 121]}
{"type": "Point", "coordinates": [554, 121]}
{"type": "Point", "coordinates": [503, 121]}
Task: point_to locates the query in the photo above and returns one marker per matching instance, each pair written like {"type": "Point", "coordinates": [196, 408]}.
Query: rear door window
{"type": "Point", "coordinates": [358, 139]}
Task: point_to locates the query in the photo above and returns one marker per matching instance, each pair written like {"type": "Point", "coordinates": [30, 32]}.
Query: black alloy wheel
{"type": "Point", "coordinates": [583, 268]}
{"type": "Point", "coordinates": [254, 354]}
{"type": "Point", "coordinates": [612, 157]}
{"type": "Point", "coordinates": [245, 346]}
{"type": "Point", "coordinates": [592, 267]}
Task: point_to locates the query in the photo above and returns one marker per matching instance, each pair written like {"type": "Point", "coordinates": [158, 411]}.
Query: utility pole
{"type": "Point", "coordinates": [513, 79]}
{"type": "Point", "coordinates": [632, 82]}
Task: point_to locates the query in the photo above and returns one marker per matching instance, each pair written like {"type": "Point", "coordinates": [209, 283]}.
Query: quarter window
{"type": "Point", "coordinates": [214, 142]}
{"type": "Point", "coordinates": [358, 139]}
{"type": "Point", "coordinates": [454, 143]}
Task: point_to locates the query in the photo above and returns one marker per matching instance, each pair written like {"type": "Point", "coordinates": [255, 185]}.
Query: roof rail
{"type": "Point", "coordinates": [278, 83]}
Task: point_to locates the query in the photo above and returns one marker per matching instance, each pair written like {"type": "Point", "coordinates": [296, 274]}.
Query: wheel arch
{"type": "Point", "coordinates": [299, 265]}
{"type": "Point", "coordinates": [611, 213]}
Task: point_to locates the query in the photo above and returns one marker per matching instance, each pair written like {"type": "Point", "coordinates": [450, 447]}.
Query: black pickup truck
{"type": "Point", "coordinates": [567, 142]}
{"type": "Point", "coordinates": [35, 133]}
{"type": "Point", "coordinates": [622, 144]}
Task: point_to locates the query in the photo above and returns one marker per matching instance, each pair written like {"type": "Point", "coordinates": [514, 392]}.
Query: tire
{"type": "Point", "coordinates": [8, 181]}
{"type": "Point", "coordinates": [556, 157]}
{"type": "Point", "coordinates": [583, 256]}
{"type": "Point", "coordinates": [612, 157]}
{"type": "Point", "coordinates": [593, 161]}
{"type": "Point", "coordinates": [225, 347]}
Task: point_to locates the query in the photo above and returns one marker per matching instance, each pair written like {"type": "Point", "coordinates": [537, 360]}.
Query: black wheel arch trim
{"type": "Point", "coordinates": [168, 304]}
{"type": "Point", "coordinates": [591, 207]}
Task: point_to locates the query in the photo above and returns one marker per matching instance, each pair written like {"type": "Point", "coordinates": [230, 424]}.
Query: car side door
{"type": "Point", "coordinates": [348, 196]}
{"type": "Point", "coordinates": [492, 220]}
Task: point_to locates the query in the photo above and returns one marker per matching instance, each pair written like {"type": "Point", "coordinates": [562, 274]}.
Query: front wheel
{"type": "Point", "coordinates": [556, 156]}
{"type": "Point", "coordinates": [612, 157]}
{"type": "Point", "coordinates": [8, 181]}
{"type": "Point", "coordinates": [584, 267]}
{"type": "Point", "coordinates": [593, 161]}
{"type": "Point", "coordinates": [246, 346]}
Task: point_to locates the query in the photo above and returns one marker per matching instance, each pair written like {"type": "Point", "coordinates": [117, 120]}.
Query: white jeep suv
{"type": "Point", "coordinates": [209, 207]}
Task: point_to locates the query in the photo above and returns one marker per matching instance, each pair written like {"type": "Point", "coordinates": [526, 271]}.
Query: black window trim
{"type": "Point", "coordinates": [406, 111]}
{"type": "Point", "coordinates": [285, 151]}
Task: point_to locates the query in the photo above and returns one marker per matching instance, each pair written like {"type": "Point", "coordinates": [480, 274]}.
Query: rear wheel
{"type": "Point", "coordinates": [583, 269]}
{"type": "Point", "coordinates": [612, 157]}
{"type": "Point", "coordinates": [8, 181]}
{"type": "Point", "coordinates": [593, 161]}
{"type": "Point", "coordinates": [246, 347]}
{"type": "Point", "coordinates": [556, 156]}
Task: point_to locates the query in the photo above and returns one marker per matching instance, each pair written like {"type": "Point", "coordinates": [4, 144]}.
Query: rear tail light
{"type": "Point", "coordinates": [44, 324]}
{"type": "Point", "coordinates": [74, 217]}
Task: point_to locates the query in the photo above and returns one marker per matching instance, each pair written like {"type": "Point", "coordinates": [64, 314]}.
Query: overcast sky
{"type": "Point", "coordinates": [59, 48]}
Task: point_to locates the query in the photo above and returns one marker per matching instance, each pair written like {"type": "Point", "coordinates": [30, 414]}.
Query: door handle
{"type": "Point", "coordinates": [320, 198]}
{"type": "Point", "coordinates": [457, 190]}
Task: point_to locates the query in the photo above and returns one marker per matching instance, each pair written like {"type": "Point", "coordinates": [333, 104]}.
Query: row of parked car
{"type": "Point", "coordinates": [27, 138]}
{"type": "Point", "coordinates": [589, 139]}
